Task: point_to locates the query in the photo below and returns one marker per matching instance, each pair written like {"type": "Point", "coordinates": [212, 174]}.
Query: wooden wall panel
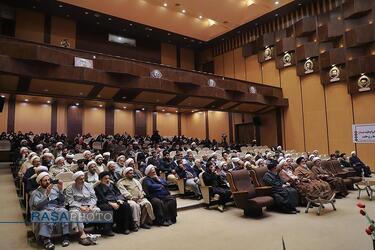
{"type": "Point", "coordinates": [4, 117]}
{"type": "Point", "coordinates": [187, 59]}
{"type": "Point", "coordinates": [339, 118]}
{"type": "Point", "coordinates": [293, 117]}
{"type": "Point", "coordinates": [169, 54]}
{"type": "Point", "coordinates": [239, 65]}
{"type": "Point", "coordinates": [140, 121]}
{"type": "Point", "coordinates": [364, 112]}
{"type": "Point", "coordinates": [229, 64]}
{"type": "Point", "coordinates": [270, 74]}
{"type": "Point", "coordinates": [149, 125]}
{"type": "Point", "coordinates": [218, 124]}
{"type": "Point", "coordinates": [193, 125]}
{"type": "Point", "coordinates": [32, 117]}
{"type": "Point", "coordinates": [29, 25]}
{"type": "Point", "coordinates": [167, 124]}
{"type": "Point", "coordinates": [253, 69]}
{"type": "Point", "coordinates": [61, 118]}
{"type": "Point", "coordinates": [62, 28]}
{"type": "Point", "coordinates": [268, 128]}
{"type": "Point", "coordinates": [314, 114]}
{"type": "Point", "coordinates": [124, 122]}
{"type": "Point", "coordinates": [93, 121]}
{"type": "Point", "coordinates": [219, 65]}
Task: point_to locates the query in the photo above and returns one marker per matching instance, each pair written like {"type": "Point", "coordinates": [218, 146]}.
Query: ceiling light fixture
{"type": "Point", "coordinates": [277, 2]}
{"type": "Point", "coordinates": [183, 11]}
{"type": "Point", "coordinates": [211, 22]}
{"type": "Point", "coordinates": [249, 2]}
{"type": "Point", "coordinates": [26, 100]}
{"type": "Point", "coordinates": [100, 106]}
{"type": "Point", "coordinates": [163, 110]}
{"type": "Point", "coordinates": [48, 102]}
{"type": "Point", "coordinates": [86, 13]}
{"type": "Point", "coordinates": [143, 109]}
{"type": "Point", "coordinates": [200, 17]}
{"type": "Point", "coordinates": [165, 4]}
{"type": "Point", "coordinates": [124, 107]}
{"type": "Point", "coordinates": [2, 96]}
{"type": "Point", "coordinates": [60, 6]}
{"type": "Point", "coordinates": [77, 104]}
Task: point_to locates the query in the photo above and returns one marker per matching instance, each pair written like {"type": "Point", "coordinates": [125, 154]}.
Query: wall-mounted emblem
{"type": "Point", "coordinates": [65, 43]}
{"type": "Point", "coordinates": [252, 90]}
{"type": "Point", "coordinates": [156, 73]}
{"type": "Point", "coordinates": [211, 83]}
{"type": "Point", "coordinates": [287, 59]}
{"type": "Point", "coordinates": [334, 74]}
{"type": "Point", "coordinates": [308, 66]}
{"type": "Point", "coordinates": [364, 83]}
{"type": "Point", "coordinates": [267, 53]}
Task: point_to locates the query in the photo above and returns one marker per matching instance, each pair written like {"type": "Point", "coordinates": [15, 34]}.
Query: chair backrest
{"type": "Point", "coordinates": [309, 164]}
{"type": "Point", "coordinates": [65, 176]}
{"type": "Point", "coordinates": [201, 181]}
{"type": "Point", "coordinates": [257, 176]}
{"type": "Point", "coordinates": [241, 181]}
{"type": "Point", "coordinates": [5, 145]}
{"type": "Point", "coordinates": [336, 166]}
{"type": "Point", "coordinates": [326, 165]}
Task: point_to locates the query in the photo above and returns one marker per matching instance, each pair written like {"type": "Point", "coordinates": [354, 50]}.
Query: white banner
{"type": "Point", "coordinates": [363, 133]}
{"type": "Point", "coordinates": [82, 62]}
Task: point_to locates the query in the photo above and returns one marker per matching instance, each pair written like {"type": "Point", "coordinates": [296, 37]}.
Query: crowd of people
{"type": "Point", "coordinates": [132, 177]}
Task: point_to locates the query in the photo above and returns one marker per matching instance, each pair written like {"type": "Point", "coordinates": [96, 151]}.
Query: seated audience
{"type": "Point", "coordinates": [217, 186]}
{"type": "Point", "coordinates": [187, 173]}
{"type": "Point", "coordinates": [91, 175]}
{"type": "Point", "coordinates": [336, 183]}
{"type": "Point", "coordinates": [81, 198]}
{"type": "Point", "coordinates": [49, 198]}
{"type": "Point", "coordinates": [285, 197]}
{"type": "Point", "coordinates": [59, 167]}
{"type": "Point", "coordinates": [358, 165]}
{"type": "Point", "coordinates": [110, 199]}
{"type": "Point", "coordinates": [164, 205]}
{"type": "Point", "coordinates": [131, 189]}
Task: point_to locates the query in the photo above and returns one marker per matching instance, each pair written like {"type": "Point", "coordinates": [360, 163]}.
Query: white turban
{"type": "Point", "coordinates": [235, 159]}
{"type": "Point", "coordinates": [31, 155]}
{"type": "Point", "coordinates": [48, 155]}
{"type": "Point", "coordinates": [59, 143]}
{"type": "Point", "coordinates": [189, 150]}
{"type": "Point", "coordinates": [269, 154]}
{"type": "Point", "coordinates": [149, 168]}
{"type": "Point", "coordinates": [222, 163]}
{"type": "Point", "coordinates": [288, 155]}
{"type": "Point", "coordinates": [259, 161]}
{"type": "Point", "coordinates": [353, 152]}
{"type": "Point", "coordinates": [71, 156]}
{"type": "Point", "coordinates": [126, 170]}
{"type": "Point", "coordinates": [128, 161]}
{"type": "Point", "coordinates": [106, 154]}
{"type": "Point", "coordinates": [46, 150]}
{"type": "Point", "coordinates": [35, 157]}
{"type": "Point", "coordinates": [23, 148]}
{"type": "Point", "coordinates": [86, 152]}
{"type": "Point", "coordinates": [41, 169]}
{"type": "Point", "coordinates": [121, 156]}
{"type": "Point", "coordinates": [280, 159]}
{"type": "Point", "coordinates": [41, 176]}
{"type": "Point", "coordinates": [60, 158]}
{"type": "Point", "coordinates": [39, 146]}
{"type": "Point", "coordinates": [90, 163]}
{"type": "Point", "coordinates": [111, 163]}
{"type": "Point", "coordinates": [282, 162]}
{"type": "Point", "coordinates": [78, 174]}
{"type": "Point", "coordinates": [315, 159]}
{"type": "Point", "coordinates": [311, 157]}
{"type": "Point", "coordinates": [98, 156]}
{"type": "Point", "coordinates": [247, 156]}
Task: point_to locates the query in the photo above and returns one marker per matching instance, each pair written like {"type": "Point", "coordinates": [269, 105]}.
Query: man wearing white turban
{"type": "Point", "coordinates": [91, 176]}
{"type": "Point", "coordinates": [81, 198]}
{"type": "Point", "coordinates": [132, 190]}
{"type": "Point", "coordinates": [164, 205]}
{"type": "Point", "coordinates": [59, 167]}
{"type": "Point", "coordinates": [100, 167]}
{"type": "Point", "coordinates": [49, 198]}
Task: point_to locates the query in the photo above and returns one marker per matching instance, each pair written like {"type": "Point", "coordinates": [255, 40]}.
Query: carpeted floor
{"type": "Point", "coordinates": [200, 228]}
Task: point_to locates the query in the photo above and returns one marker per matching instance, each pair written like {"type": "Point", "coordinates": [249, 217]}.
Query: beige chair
{"type": "Point", "coordinates": [205, 190]}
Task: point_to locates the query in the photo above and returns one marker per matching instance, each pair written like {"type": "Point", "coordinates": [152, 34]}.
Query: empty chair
{"type": "Point", "coordinates": [245, 195]}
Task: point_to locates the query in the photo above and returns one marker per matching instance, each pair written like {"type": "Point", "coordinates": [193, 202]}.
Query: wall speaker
{"type": "Point", "coordinates": [2, 100]}
{"type": "Point", "coordinates": [257, 121]}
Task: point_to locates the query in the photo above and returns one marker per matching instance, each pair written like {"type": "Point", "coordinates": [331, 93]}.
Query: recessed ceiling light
{"type": "Point", "coordinates": [276, 14]}
{"type": "Point", "coordinates": [165, 4]}
{"type": "Point", "coordinates": [60, 6]}
{"type": "Point", "coordinates": [100, 106]}
{"type": "Point", "coordinates": [97, 15]}
{"type": "Point", "coordinates": [277, 2]}
{"type": "Point", "coordinates": [48, 101]}
{"type": "Point", "coordinates": [124, 107]}
{"type": "Point", "coordinates": [86, 12]}
{"type": "Point", "coordinates": [109, 19]}
{"type": "Point", "coordinates": [3, 96]}
{"type": "Point", "coordinates": [200, 17]}
{"type": "Point", "coordinates": [124, 97]}
{"type": "Point", "coordinates": [163, 110]}
{"type": "Point", "coordinates": [130, 24]}
{"type": "Point", "coordinates": [183, 11]}
{"type": "Point", "coordinates": [26, 100]}
{"type": "Point", "coordinates": [169, 34]}
{"type": "Point", "coordinates": [185, 38]}
{"type": "Point", "coordinates": [143, 108]}
{"type": "Point", "coordinates": [77, 104]}
{"type": "Point", "coordinates": [176, 111]}
{"type": "Point", "coordinates": [192, 111]}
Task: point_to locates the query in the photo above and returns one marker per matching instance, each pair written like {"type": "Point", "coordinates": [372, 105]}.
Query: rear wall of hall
{"type": "Point", "coordinates": [318, 117]}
